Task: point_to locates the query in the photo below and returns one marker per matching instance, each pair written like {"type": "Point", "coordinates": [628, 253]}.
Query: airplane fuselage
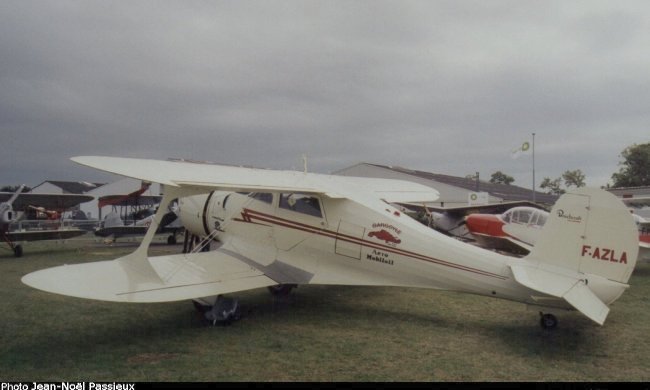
{"type": "Point", "coordinates": [322, 240]}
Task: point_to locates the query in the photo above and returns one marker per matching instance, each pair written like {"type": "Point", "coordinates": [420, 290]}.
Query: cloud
{"type": "Point", "coordinates": [447, 86]}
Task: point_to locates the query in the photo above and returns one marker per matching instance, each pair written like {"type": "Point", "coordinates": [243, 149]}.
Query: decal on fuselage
{"type": "Point", "coordinates": [250, 216]}
{"type": "Point", "coordinates": [380, 257]}
{"type": "Point", "coordinates": [384, 233]}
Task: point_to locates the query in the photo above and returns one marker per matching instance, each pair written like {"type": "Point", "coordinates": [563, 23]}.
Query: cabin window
{"type": "Point", "coordinates": [265, 197]}
{"type": "Point", "coordinates": [523, 216]}
{"type": "Point", "coordinates": [301, 203]}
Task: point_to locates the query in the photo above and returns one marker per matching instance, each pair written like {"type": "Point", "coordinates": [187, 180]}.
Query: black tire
{"type": "Point", "coordinates": [281, 290]}
{"type": "Point", "coordinates": [171, 240]}
{"type": "Point", "coordinates": [548, 321]}
{"type": "Point", "coordinates": [18, 251]}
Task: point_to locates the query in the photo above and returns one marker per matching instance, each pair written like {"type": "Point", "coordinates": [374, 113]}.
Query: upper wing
{"type": "Point", "coordinates": [49, 201]}
{"type": "Point", "coordinates": [211, 176]}
{"type": "Point", "coordinates": [122, 200]}
{"type": "Point", "coordinates": [637, 202]}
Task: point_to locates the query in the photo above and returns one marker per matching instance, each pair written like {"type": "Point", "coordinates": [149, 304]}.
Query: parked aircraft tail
{"type": "Point", "coordinates": [586, 253]}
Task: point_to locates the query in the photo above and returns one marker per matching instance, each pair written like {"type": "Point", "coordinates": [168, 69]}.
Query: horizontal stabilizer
{"type": "Point", "coordinates": [180, 277]}
{"type": "Point", "coordinates": [582, 298]}
{"type": "Point", "coordinates": [571, 289]}
{"type": "Point", "coordinates": [546, 282]}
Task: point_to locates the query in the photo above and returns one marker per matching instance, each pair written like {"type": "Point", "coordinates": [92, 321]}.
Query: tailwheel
{"type": "Point", "coordinates": [547, 321]}
{"type": "Point", "coordinates": [281, 289]}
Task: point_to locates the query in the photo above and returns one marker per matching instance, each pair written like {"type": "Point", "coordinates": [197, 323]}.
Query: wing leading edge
{"type": "Point", "coordinates": [210, 177]}
{"type": "Point", "coordinates": [178, 277]}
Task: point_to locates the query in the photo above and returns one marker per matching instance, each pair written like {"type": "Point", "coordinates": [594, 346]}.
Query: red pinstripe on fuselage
{"type": "Point", "coordinates": [251, 216]}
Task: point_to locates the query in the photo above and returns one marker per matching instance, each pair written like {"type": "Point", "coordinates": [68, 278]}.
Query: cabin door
{"type": "Point", "coordinates": [348, 240]}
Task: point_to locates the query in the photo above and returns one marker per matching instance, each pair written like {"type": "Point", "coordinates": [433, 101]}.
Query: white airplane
{"type": "Point", "coordinates": [518, 229]}
{"type": "Point", "coordinates": [44, 213]}
{"type": "Point", "coordinates": [280, 228]}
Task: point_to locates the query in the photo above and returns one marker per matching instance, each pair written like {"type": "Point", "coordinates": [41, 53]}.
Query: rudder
{"type": "Point", "coordinates": [592, 232]}
{"type": "Point", "coordinates": [586, 252]}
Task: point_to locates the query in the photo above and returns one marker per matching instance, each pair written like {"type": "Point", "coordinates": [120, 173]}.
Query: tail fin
{"type": "Point", "coordinates": [586, 252]}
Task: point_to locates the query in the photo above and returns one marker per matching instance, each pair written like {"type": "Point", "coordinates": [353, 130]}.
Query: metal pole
{"type": "Point", "coordinates": [534, 195]}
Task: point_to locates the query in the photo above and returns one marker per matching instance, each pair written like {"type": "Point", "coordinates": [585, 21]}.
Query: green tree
{"type": "Point", "coordinates": [635, 167]}
{"type": "Point", "coordinates": [552, 186]}
{"type": "Point", "coordinates": [574, 178]}
{"type": "Point", "coordinates": [555, 186]}
{"type": "Point", "coordinates": [499, 177]}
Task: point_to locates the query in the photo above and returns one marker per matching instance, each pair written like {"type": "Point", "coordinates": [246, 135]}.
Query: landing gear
{"type": "Point", "coordinates": [171, 240]}
{"type": "Point", "coordinates": [16, 248]}
{"type": "Point", "coordinates": [547, 321]}
{"type": "Point", "coordinates": [18, 251]}
{"type": "Point", "coordinates": [224, 311]}
{"type": "Point", "coordinates": [193, 243]}
{"type": "Point", "coordinates": [281, 289]}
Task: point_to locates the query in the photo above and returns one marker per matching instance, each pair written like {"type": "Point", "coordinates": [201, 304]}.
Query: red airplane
{"type": "Point", "coordinates": [517, 229]}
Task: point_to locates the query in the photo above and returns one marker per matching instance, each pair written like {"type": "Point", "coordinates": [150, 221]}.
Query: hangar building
{"type": "Point", "coordinates": [454, 191]}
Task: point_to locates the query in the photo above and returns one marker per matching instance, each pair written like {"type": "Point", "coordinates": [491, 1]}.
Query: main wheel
{"type": "Point", "coordinates": [281, 289]}
{"type": "Point", "coordinates": [18, 251]}
{"type": "Point", "coordinates": [548, 321]}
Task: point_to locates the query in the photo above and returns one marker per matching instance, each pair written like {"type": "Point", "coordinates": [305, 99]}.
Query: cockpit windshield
{"type": "Point", "coordinates": [301, 203]}
{"type": "Point", "coordinates": [525, 216]}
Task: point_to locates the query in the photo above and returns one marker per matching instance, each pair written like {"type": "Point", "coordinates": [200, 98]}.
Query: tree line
{"type": "Point", "coordinates": [634, 171]}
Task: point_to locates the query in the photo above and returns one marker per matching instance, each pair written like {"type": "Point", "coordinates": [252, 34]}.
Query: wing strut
{"type": "Point", "coordinates": [138, 262]}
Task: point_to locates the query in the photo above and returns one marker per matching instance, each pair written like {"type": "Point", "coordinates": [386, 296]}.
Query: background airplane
{"type": "Point", "coordinates": [518, 229]}
{"type": "Point", "coordinates": [36, 217]}
{"type": "Point", "coordinates": [451, 220]}
{"type": "Point", "coordinates": [280, 228]}
{"type": "Point", "coordinates": [133, 213]}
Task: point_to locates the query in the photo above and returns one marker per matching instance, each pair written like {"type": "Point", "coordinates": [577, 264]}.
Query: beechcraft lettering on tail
{"type": "Point", "coordinates": [567, 216]}
{"type": "Point", "coordinates": [310, 228]}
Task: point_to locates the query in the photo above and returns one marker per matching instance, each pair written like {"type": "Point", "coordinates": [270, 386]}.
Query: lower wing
{"type": "Point", "coordinates": [169, 278]}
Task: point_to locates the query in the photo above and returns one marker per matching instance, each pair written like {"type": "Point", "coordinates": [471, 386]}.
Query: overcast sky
{"type": "Point", "coordinates": [443, 86]}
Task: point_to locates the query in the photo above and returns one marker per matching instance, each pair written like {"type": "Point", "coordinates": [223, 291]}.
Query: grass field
{"type": "Point", "coordinates": [319, 333]}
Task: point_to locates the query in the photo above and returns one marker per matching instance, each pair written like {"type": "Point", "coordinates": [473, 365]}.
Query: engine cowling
{"type": "Point", "coordinates": [202, 214]}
